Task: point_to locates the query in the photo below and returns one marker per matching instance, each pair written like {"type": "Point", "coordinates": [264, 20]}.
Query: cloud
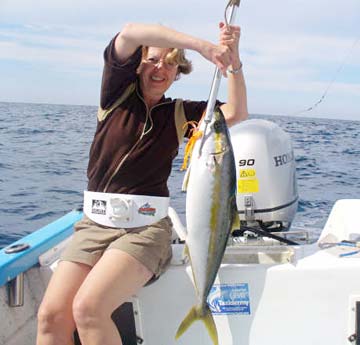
{"type": "Point", "coordinates": [290, 49]}
{"type": "Point", "coordinates": [40, 46]}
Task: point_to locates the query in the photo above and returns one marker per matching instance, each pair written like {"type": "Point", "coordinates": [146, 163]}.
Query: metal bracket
{"type": "Point", "coordinates": [249, 207]}
{"type": "Point", "coordinates": [16, 291]}
{"type": "Point", "coordinates": [16, 286]}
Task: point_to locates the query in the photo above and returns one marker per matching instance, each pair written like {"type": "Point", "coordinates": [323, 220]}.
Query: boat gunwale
{"type": "Point", "coordinates": [39, 242]}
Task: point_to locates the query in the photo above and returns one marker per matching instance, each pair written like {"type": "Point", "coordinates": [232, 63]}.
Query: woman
{"type": "Point", "coordinates": [124, 241]}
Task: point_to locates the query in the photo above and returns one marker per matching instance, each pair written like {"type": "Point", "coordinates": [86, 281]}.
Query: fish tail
{"type": "Point", "coordinates": [210, 325]}
{"type": "Point", "coordinates": [195, 314]}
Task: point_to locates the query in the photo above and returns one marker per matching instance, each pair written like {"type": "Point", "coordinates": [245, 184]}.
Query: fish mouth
{"type": "Point", "coordinates": [215, 158]}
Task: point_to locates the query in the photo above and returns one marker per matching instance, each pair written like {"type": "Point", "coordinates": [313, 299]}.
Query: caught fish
{"type": "Point", "coordinates": [211, 214]}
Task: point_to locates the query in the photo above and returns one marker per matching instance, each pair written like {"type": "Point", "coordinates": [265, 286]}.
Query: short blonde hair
{"type": "Point", "coordinates": [176, 56]}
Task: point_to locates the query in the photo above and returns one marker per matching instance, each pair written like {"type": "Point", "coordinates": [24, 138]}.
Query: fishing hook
{"type": "Point", "coordinates": [230, 3]}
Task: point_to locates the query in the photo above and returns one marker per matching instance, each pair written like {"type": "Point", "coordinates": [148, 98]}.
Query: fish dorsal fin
{"type": "Point", "coordinates": [186, 179]}
{"type": "Point", "coordinates": [186, 253]}
{"type": "Point", "coordinates": [235, 216]}
{"type": "Point", "coordinates": [236, 223]}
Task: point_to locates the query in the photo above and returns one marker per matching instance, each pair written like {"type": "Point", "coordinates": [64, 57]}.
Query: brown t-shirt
{"type": "Point", "coordinates": [133, 147]}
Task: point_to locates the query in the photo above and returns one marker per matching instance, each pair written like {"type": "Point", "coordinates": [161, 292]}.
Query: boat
{"type": "Point", "coordinates": [277, 284]}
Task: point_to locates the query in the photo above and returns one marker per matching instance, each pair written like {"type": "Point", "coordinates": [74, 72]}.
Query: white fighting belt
{"type": "Point", "coordinates": [124, 210]}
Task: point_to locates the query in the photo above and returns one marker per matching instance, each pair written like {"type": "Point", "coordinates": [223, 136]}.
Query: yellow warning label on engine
{"type": "Point", "coordinates": [247, 173]}
{"type": "Point", "coordinates": [248, 186]}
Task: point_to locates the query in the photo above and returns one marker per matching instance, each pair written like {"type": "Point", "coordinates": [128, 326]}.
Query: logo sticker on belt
{"type": "Point", "coordinates": [98, 207]}
{"type": "Point", "coordinates": [147, 210]}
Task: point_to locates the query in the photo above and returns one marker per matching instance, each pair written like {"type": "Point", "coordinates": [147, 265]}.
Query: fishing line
{"type": "Point", "coordinates": [340, 68]}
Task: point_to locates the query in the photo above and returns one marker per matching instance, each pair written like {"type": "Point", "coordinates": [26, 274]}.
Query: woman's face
{"type": "Point", "coordinates": [156, 75]}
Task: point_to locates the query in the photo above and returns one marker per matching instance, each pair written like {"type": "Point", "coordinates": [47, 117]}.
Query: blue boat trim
{"type": "Point", "coordinates": [39, 242]}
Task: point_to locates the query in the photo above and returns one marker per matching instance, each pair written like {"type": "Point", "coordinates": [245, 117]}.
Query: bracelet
{"type": "Point", "coordinates": [235, 70]}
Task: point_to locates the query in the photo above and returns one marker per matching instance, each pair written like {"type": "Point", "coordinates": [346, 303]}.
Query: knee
{"type": "Point", "coordinates": [50, 317]}
{"type": "Point", "coordinates": [86, 312]}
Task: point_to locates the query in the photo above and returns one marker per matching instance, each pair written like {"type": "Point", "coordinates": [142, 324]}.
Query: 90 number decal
{"type": "Point", "coordinates": [246, 162]}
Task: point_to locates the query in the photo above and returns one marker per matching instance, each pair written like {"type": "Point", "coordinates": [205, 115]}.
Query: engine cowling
{"type": "Point", "coordinates": [266, 174]}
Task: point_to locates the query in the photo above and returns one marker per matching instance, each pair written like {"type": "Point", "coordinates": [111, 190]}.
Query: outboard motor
{"type": "Point", "coordinates": [267, 193]}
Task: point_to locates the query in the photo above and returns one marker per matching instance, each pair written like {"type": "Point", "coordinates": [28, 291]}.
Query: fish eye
{"type": "Point", "coordinates": [218, 126]}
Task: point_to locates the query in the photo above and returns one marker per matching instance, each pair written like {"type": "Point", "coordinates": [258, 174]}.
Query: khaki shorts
{"type": "Point", "coordinates": [151, 245]}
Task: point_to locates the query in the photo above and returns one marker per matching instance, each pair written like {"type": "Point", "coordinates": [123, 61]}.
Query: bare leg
{"type": "Point", "coordinates": [55, 321]}
{"type": "Point", "coordinates": [112, 281]}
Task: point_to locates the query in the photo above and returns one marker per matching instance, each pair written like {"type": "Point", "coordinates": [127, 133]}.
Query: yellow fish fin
{"type": "Point", "coordinates": [195, 314]}
{"type": "Point", "coordinates": [187, 322]}
{"type": "Point", "coordinates": [186, 253]}
{"type": "Point", "coordinates": [235, 217]}
{"type": "Point", "coordinates": [186, 179]}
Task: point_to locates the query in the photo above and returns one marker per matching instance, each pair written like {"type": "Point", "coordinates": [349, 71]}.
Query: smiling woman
{"type": "Point", "coordinates": [121, 243]}
{"type": "Point", "coordinates": [158, 70]}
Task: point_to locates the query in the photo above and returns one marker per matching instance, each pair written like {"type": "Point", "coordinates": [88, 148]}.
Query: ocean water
{"type": "Point", "coordinates": [44, 153]}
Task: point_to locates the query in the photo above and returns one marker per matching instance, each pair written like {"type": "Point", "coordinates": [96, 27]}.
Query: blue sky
{"type": "Point", "coordinates": [51, 51]}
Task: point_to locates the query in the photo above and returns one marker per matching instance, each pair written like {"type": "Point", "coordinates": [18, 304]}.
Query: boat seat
{"type": "Point", "coordinates": [343, 222]}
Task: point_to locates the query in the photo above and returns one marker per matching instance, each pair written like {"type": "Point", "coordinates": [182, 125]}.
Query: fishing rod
{"type": "Point", "coordinates": [233, 5]}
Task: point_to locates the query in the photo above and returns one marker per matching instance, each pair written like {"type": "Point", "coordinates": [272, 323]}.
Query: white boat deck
{"type": "Point", "coordinates": [263, 295]}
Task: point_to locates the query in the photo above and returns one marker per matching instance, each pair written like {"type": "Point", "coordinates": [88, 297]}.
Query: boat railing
{"type": "Point", "coordinates": [24, 254]}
